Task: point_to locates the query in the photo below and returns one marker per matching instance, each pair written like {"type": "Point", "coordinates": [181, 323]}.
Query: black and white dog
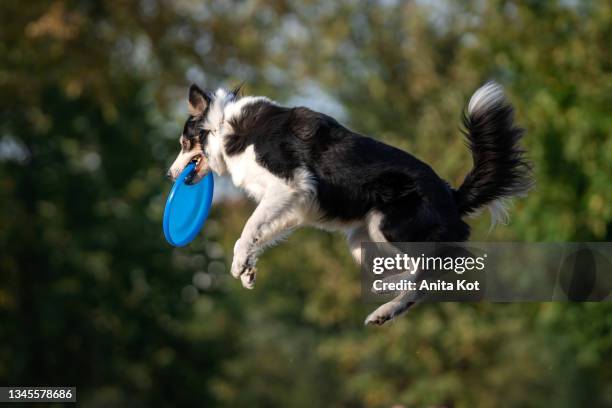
{"type": "Point", "coordinates": [305, 168]}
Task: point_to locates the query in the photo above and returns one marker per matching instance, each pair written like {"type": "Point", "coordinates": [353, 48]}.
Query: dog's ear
{"type": "Point", "coordinates": [198, 100]}
{"type": "Point", "coordinates": [236, 91]}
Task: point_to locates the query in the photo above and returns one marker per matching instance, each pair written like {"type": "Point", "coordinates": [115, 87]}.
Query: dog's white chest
{"type": "Point", "coordinates": [248, 175]}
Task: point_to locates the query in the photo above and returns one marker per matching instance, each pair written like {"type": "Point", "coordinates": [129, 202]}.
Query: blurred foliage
{"type": "Point", "coordinates": [92, 296]}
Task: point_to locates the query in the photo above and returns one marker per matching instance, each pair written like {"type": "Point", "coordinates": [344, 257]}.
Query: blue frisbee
{"type": "Point", "coordinates": [187, 208]}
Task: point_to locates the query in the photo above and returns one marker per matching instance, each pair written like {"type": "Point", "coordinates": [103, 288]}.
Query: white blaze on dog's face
{"type": "Point", "coordinates": [194, 140]}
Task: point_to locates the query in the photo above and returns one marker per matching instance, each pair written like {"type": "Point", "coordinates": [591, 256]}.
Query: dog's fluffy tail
{"type": "Point", "coordinates": [500, 169]}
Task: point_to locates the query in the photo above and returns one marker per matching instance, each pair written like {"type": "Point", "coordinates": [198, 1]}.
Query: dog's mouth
{"type": "Point", "coordinates": [195, 175]}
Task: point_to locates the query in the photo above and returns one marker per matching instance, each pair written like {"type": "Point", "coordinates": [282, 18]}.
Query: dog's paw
{"type": "Point", "coordinates": [240, 265]}
{"type": "Point", "coordinates": [381, 315]}
{"type": "Point", "coordinates": [243, 266]}
{"type": "Point", "coordinates": [240, 261]}
{"type": "Point", "coordinates": [248, 278]}
{"type": "Point", "coordinates": [244, 271]}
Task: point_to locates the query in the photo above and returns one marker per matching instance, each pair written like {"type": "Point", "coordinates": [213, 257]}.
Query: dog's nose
{"type": "Point", "coordinates": [169, 175]}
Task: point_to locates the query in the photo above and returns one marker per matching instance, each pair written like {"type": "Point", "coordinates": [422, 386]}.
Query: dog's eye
{"type": "Point", "coordinates": [203, 133]}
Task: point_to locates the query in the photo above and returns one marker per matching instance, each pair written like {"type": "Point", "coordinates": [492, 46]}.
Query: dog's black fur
{"type": "Point", "coordinates": [355, 174]}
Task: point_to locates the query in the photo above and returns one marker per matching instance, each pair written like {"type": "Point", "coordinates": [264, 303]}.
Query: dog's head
{"type": "Point", "coordinates": [194, 139]}
{"type": "Point", "coordinates": [202, 138]}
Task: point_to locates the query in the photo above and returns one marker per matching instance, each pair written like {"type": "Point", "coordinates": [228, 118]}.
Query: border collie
{"type": "Point", "coordinates": [304, 168]}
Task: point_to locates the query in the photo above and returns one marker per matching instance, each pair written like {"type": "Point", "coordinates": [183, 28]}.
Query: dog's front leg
{"type": "Point", "coordinates": [273, 218]}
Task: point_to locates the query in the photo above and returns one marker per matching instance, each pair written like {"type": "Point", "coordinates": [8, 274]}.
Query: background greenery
{"type": "Point", "coordinates": [92, 103]}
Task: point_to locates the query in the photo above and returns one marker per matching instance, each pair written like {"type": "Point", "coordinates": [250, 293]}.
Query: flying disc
{"type": "Point", "coordinates": [187, 208]}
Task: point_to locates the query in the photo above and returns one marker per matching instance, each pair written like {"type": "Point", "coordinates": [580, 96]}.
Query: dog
{"type": "Point", "coordinates": [303, 168]}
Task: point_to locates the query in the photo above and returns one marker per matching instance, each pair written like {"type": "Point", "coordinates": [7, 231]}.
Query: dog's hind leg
{"type": "Point", "coordinates": [379, 231]}
{"type": "Point", "coordinates": [363, 234]}
{"type": "Point", "coordinates": [354, 238]}
{"type": "Point", "coordinates": [391, 309]}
